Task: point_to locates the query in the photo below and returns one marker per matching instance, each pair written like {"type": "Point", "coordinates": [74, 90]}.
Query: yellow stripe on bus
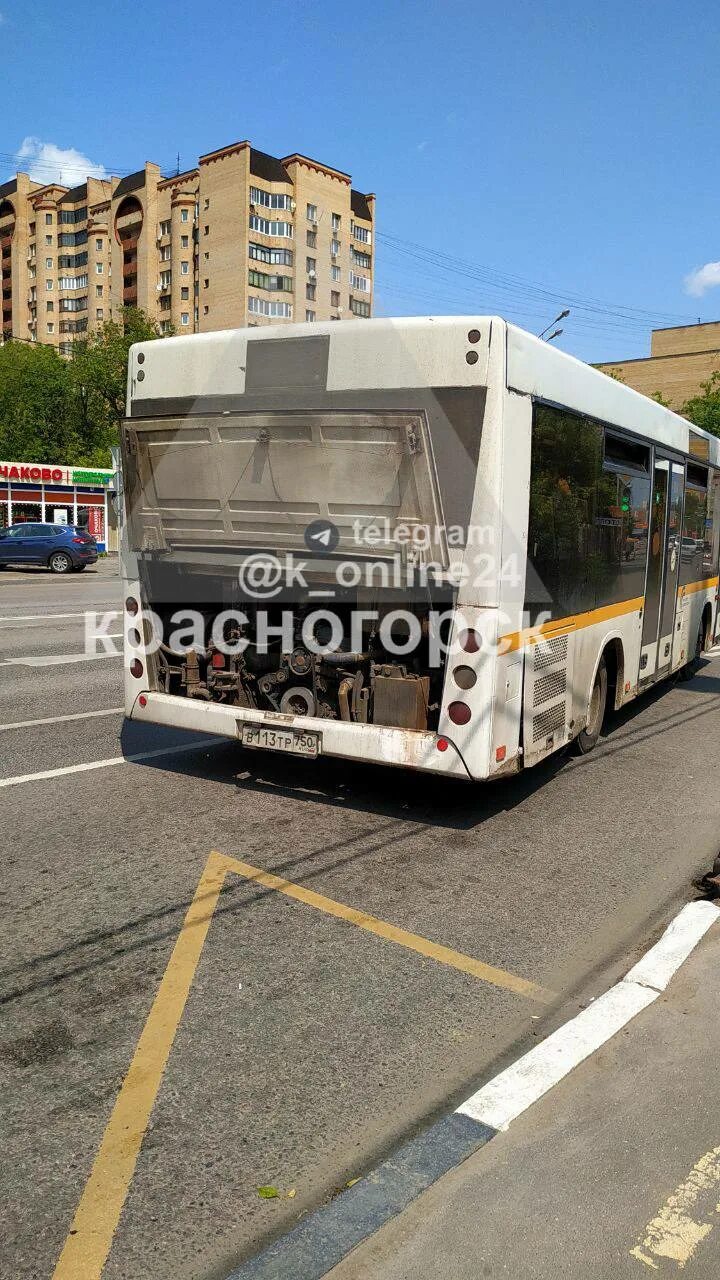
{"type": "Point", "coordinates": [690, 587]}
{"type": "Point", "coordinates": [563, 626]}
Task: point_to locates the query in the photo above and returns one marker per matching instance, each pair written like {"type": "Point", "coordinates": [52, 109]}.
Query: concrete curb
{"type": "Point", "coordinates": [324, 1237]}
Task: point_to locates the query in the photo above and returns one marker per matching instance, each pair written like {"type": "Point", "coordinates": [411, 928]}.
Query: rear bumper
{"type": "Point", "coordinates": [375, 744]}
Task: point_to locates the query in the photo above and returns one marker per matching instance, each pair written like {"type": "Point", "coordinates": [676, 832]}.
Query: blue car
{"type": "Point", "coordinates": [64, 548]}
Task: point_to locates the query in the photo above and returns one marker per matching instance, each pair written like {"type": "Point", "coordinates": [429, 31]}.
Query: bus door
{"type": "Point", "coordinates": [663, 565]}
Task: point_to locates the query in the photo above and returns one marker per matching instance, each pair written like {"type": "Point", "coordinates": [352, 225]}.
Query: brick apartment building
{"type": "Point", "coordinates": [680, 360]}
{"type": "Point", "coordinates": [243, 239]}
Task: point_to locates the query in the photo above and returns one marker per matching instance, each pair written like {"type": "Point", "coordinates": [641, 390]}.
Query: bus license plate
{"type": "Point", "coordinates": [298, 742]}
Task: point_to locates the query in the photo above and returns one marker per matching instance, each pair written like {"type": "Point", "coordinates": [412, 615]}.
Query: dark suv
{"type": "Point", "coordinates": [62, 547]}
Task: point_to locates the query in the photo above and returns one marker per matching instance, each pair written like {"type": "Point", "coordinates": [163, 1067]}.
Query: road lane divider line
{"type": "Point", "coordinates": [320, 1240]}
{"type": "Point", "coordinates": [112, 761]}
{"type": "Point", "coordinates": [60, 659]}
{"type": "Point", "coordinates": [51, 617]}
{"type": "Point", "coordinates": [392, 933]}
{"type": "Point", "coordinates": [88, 1243]}
{"type": "Point", "coordinates": [77, 715]}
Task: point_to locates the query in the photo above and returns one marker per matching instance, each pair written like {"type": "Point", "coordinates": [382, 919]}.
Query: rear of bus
{"type": "Point", "coordinates": [306, 510]}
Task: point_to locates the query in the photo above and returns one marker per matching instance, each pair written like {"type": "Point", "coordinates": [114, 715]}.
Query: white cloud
{"type": "Point", "coordinates": [703, 278]}
{"type": "Point", "coordinates": [46, 162]}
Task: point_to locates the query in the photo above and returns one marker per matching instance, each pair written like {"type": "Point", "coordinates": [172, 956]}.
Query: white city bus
{"type": "Point", "coordinates": [436, 543]}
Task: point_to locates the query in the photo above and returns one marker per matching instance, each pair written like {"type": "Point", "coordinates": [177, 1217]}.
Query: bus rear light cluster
{"type": "Point", "coordinates": [459, 712]}
{"type": "Point", "coordinates": [136, 668]}
{"type": "Point", "coordinates": [132, 606]}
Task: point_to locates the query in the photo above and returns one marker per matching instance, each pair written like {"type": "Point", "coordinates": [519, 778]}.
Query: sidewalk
{"type": "Point", "coordinates": [614, 1173]}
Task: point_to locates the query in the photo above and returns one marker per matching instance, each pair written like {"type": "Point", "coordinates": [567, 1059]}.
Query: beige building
{"type": "Point", "coordinates": [680, 361]}
{"type": "Point", "coordinates": [243, 239]}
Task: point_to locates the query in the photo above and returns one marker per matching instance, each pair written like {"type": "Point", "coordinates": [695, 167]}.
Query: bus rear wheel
{"type": "Point", "coordinates": [691, 668]}
{"type": "Point", "coordinates": [586, 740]}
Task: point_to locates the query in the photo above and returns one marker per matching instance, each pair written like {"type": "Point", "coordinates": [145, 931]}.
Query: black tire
{"type": "Point", "coordinates": [692, 667]}
{"type": "Point", "coordinates": [586, 740]}
{"type": "Point", "coordinates": [78, 568]}
{"type": "Point", "coordinates": [60, 562]}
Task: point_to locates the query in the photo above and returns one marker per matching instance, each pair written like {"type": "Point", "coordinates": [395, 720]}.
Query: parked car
{"type": "Point", "coordinates": [64, 548]}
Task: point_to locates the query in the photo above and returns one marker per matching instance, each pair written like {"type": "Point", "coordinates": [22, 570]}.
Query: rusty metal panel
{"type": "Point", "coordinates": [401, 701]}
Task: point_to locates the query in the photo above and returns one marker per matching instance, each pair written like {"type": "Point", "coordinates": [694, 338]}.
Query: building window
{"type": "Point", "coordinates": [312, 213]}
{"type": "Point", "coordinates": [361, 283]}
{"type": "Point", "coordinates": [274, 257]}
{"type": "Point", "coordinates": [311, 239]}
{"type": "Point", "coordinates": [184, 268]}
{"type": "Point", "coordinates": [206, 257]}
{"type": "Point", "coordinates": [363, 234]}
{"type": "Point", "coordinates": [310, 292]}
{"type": "Point", "coordinates": [48, 219]}
{"type": "Point", "coordinates": [206, 283]}
{"type": "Point", "coordinates": [184, 215]}
{"type": "Point", "coordinates": [165, 227]}
{"type": "Point", "coordinates": [49, 306]}
{"type": "Point", "coordinates": [48, 285]}
{"type": "Point", "coordinates": [98, 291]}
{"type": "Point", "coordinates": [361, 259]}
{"type": "Point", "coordinates": [269, 199]}
{"type": "Point", "coordinates": [205, 310]}
{"type": "Point", "coordinates": [51, 327]}
{"type": "Point", "coordinates": [99, 268]}
{"type": "Point", "coordinates": [99, 313]}
{"type": "Point", "coordinates": [206, 230]}
{"type": "Point", "coordinates": [48, 264]}
{"type": "Point", "coordinates": [165, 302]}
{"type": "Point", "coordinates": [185, 294]}
{"type": "Point", "coordinates": [359, 308]}
{"type": "Point", "coordinates": [70, 239]}
{"type": "Point", "coordinates": [262, 281]}
{"type": "Point", "coordinates": [98, 246]}
{"type": "Point", "coordinates": [184, 318]}
{"type": "Point", "coordinates": [336, 222]}
{"type": "Point", "coordinates": [310, 316]}
{"type": "Point", "coordinates": [207, 203]}
{"type": "Point", "coordinates": [310, 265]}
{"type": "Point", "coordinates": [269, 227]}
{"type": "Point", "coordinates": [335, 247]}
{"type": "Point", "coordinates": [268, 307]}
{"type": "Point", "coordinates": [165, 278]}
{"type": "Point", "coordinates": [184, 241]}
{"type": "Point", "coordinates": [31, 228]}
{"type": "Point", "coordinates": [69, 216]}
{"type": "Point", "coordinates": [165, 253]}
{"type": "Point", "coordinates": [336, 274]}
{"type": "Point", "coordinates": [334, 298]}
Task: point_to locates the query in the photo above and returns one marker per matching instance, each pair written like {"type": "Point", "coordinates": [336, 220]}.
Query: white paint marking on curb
{"type": "Point", "coordinates": [77, 715]}
{"type": "Point", "coordinates": [503, 1099]}
{"type": "Point", "coordinates": [20, 778]}
{"type": "Point", "coordinates": [658, 965]}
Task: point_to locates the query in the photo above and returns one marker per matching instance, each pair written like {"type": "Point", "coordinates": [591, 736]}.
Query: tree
{"type": "Point", "coordinates": [98, 367]}
{"type": "Point", "coordinates": [37, 422]}
{"type": "Point", "coordinates": [704, 410]}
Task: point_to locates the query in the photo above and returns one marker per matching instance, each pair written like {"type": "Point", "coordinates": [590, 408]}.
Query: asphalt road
{"type": "Point", "coordinates": [308, 1046]}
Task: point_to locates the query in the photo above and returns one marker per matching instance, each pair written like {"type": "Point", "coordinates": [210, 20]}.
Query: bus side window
{"type": "Point", "coordinates": [697, 544]}
{"type": "Point", "coordinates": [621, 523]}
{"type": "Point", "coordinates": [565, 466]}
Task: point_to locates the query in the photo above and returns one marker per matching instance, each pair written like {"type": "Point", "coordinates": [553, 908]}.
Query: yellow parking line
{"type": "Point", "coordinates": [433, 950]}
{"type": "Point", "coordinates": [88, 1243]}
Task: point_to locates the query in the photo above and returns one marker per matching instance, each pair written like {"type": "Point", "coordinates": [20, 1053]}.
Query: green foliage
{"type": "Point", "coordinates": [704, 410]}
{"type": "Point", "coordinates": [57, 410]}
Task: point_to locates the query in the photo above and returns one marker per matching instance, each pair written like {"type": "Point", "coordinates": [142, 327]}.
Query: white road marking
{"type": "Point", "coordinates": [21, 778]}
{"type": "Point", "coordinates": [674, 1234]}
{"type": "Point", "coordinates": [503, 1099]}
{"type": "Point", "coordinates": [12, 620]}
{"type": "Point", "coordinates": [78, 715]}
{"type": "Point", "coordinates": [60, 659]}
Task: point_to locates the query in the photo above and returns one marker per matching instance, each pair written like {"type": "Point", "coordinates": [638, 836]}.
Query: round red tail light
{"type": "Point", "coordinates": [132, 606]}
{"type": "Point", "coordinates": [142, 700]}
{"type": "Point", "coordinates": [459, 712]}
{"type": "Point", "coordinates": [136, 668]}
{"type": "Point", "coordinates": [442, 744]}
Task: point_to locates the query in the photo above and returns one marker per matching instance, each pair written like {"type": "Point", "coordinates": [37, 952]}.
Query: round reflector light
{"type": "Point", "coordinates": [442, 744]}
{"type": "Point", "coordinates": [136, 668]}
{"type": "Point", "coordinates": [459, 712]}
{"type": "Point", "coordinates": [134, 639]}
{"type": "Point", "coordinates": [464, 677]}
{"type": "Point", "coordinates": [470, 641]}
{"type": "Point", "coordinates": [142, 700]}
{"type": "Point", "coordinates": [132, 606]}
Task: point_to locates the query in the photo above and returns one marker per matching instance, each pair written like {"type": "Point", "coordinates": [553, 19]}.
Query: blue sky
{"type": "Point", "coordinates": [555, 154]}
